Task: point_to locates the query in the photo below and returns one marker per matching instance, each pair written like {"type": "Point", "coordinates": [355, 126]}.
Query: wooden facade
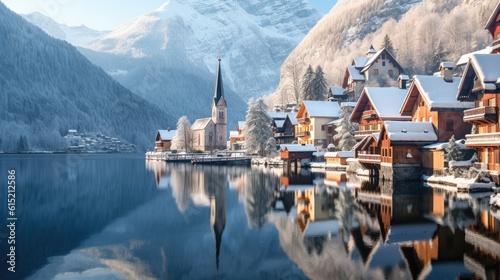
{"type": "Point", "coordinates": [480, 84]}
{"type": "Point", "coordinates": [163, 140]}
{"type": "Point", "coordinates": [424, 103]}
{"type": "Point", "coordinates": [493, 26]}
{"type": "Point", "coordinates": [312, 120]}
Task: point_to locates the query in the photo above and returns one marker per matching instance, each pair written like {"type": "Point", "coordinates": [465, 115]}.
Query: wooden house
{"type": "Point", "coordinates": [396, 153]}
{"type": "Point", "coordinates": [376, 105]}
{"type": "Point", "coordinates": [337, 160]}
{"type": "Point", "coordinates": [493, 26]}
{"type": "Point", "coordinates": [296, 153]}
{"type": "Point", "coordinates": [372, 67]}
{"type": "Point", "coordinates": [433, 99]}
{"type": "Point", "coordinates": [481, 84]}
{"type": "Point", "coordinates": [283, 126]}
{"type": "Point", "coordinates": [312, 119]}
{"type": "Point", "coordinates": [163, 140]}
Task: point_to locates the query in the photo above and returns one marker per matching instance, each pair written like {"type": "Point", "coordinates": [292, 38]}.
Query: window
{"type": "Point", "coordinates": [391, 73]}
{"type": "Point", "coordinates": [375, 71]}
{"type": "Point", "coordinates": [383, 56]}
{"type": "Point", "coordinates": [449, 125]}
{"type": "Point", "coordinates": [323, 128]}
{"type": "Point", "coordinates": [493, 102]}
{"type": "Point", "coordinates": [221, 114]}
{"type": "Point", "coordinates": [210, 137]}
{"type": "Point", "coordinates": [383, 63]}
{"type": "Point", "coordinates": [430, 119]}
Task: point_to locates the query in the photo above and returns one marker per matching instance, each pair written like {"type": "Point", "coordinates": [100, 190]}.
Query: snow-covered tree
{"type": "Point", "coordinates": [271, 150]}
{"type": "Point", "coordinates": [452, 151]}
{"type": "Point", "coordinates": [183, 139]}
{"type": "Point", "coordinates": [259, 194]}
{"type": "Point", "coordinates": [257, 127]}
{"type": "Point", "coordinates": [293, 88]}
{"type": "Point", "coordinates": [306, 84]}
{"type": "Point", "coordinates": [345, 130]}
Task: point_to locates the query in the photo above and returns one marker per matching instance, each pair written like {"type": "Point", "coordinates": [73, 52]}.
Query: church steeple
{"type": "Point", "coordinates": [219, 88]}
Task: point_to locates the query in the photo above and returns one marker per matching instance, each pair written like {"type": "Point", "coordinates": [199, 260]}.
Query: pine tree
{"type": "Point", "coordinates": [257, 127]}
{"type": "Point", "coordinates": [453, 152]}
{"type": "Point", "coordinates": [306, 84]}
{"type": "Point", "coordinates": [387, 44]}
{"type": "Point", "coordinates": [183, 139]}
{"type": "Point", "coordinates": [345, 130]}
{"type": "Point", "coordinates": [318, 85]}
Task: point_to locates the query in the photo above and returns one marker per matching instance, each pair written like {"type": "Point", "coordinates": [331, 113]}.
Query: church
{"type": "Point", "coordinates": [210, 134]}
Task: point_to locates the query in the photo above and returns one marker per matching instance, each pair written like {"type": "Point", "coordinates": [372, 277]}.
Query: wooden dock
{"type": "Point", "coordinates": [245, 161]}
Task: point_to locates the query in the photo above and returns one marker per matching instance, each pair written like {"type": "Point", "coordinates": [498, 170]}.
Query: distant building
{"type": "Point", "coordinates": [312, 120]}
{"type": "Point", "coordinates": [74, 141]}
{"type": "Point", "coordinates": [283, 126]}
{"type": "Point", "coordinates": [163, 140]}
{"type": "Point", "coordinates": [211, 133]}
{"type": "Point", "coordinates": [362, 70]}
{"type": "Point", "coordinates": [237, 138]}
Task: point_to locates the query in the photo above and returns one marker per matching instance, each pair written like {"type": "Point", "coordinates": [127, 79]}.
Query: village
{"type": "Point", "coordinates": [442, 128]}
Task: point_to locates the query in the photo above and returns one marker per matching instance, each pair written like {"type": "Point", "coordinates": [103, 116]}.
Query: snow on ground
{"type": "Point", "coordinates": [462, 163]}
{"type": "Point", "coordinates": [462, 184]}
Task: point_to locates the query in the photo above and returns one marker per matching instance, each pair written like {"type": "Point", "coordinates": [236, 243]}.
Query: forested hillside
{"type": "Point", "coordinates": [48, 87]}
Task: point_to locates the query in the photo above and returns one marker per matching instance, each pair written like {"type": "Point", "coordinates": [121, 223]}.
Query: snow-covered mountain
{"type": "Point", "coordinates": [75, 35]}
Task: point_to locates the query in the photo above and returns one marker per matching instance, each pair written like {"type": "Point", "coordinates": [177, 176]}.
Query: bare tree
{"type": "Point", "coordinates": [183, 139]}
{"type": "Point", "coordinates": [293, 86]}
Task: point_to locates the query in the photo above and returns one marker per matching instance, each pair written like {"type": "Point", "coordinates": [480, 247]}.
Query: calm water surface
{"type": "Point", "coordinates": [120, 217]}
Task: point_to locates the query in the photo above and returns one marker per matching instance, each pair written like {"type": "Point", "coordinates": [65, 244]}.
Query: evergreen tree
{"type": "Point", "coordinates": [306, 84]}
{"type": "Point", "coordinates": [345, 130]}
{"type": "Point", "coordinates": [183, 139]}
{"type": "Point", "coordinates": [387, 44]}
{"type": "Point", "coordinates": [318, 86]}
{"type": "Point", "coordinates": [257, 127]}
{"type": "Point", "coordinates": [452, 151]}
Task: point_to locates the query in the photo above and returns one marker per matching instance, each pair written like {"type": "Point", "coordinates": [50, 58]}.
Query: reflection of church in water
{"type": "Point", "coordinates": [218, 217]}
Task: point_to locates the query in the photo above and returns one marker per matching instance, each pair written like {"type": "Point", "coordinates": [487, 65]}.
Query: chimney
{"type": "Point", "coordinates": [403, 81]}
{"type": "Point", "coordinates": [446, 69]}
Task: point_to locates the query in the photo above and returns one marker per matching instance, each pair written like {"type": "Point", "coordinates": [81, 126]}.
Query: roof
{"type": "Point", "coordinates": [342, 154]}
{"type": "Point", "coordinates": [334, 122]}
{"type": "Point", "coordinates": [337, 90]}
{"type": "Point", "coordinates": [326, 109]}
{"type": "Point", "coordinates": [279, 123]}
{"type": "Point", "coordinates": [348, 104]}
{"type": "Point", "coordinates": [410, 232]}
{"type": "Point", "coordinates": [322, 228]}
{"type": "Point", "coordinates": [293, 118]}
{"type": "Point", "coordinates": [219, 87]}
{"type": "Point", "coordinates": [492, 18]}
{"type": "Point", "coordinates": [371, 50]}
{"type": "Point", "coordinates": [464, 59]}
{"type": "Point", "coordinates": [297, 148]}
{"type": "Point", "coordinates": [277, 115]}
{"type": "Point", "coordinates": [355, 74]}
{"type": "Point", "coordinates": [482, 67]}
{"type": "Point", "coordinates": [387, 101]}
{"type": "Point", "coordinates": [201, 124]}
{"type": "Point", "coordinates": [443, 145]}
{"type": "Point", "coordinates": [410, 131]}
{"type": "Point", "coordinates": [403, 77]}
{"type": "Point", "coordinates": [446, 64]}
{"type": "Point", "coordinates": [233, 133]}
{"type": "Point", "coordinates": [360, 62]}
{"type": "Point", "coordinates": [436, 92]}
{"type": "Point", "coordinates": [241, 124]}
{"type": "Point", "coordinates": [166, 135]}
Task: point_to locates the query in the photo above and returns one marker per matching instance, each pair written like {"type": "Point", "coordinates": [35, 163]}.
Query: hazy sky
{"type": "Point", "coordinates": [103, 14]}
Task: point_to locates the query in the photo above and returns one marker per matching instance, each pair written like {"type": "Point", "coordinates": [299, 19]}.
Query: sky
{"type": "Point", "coordinates": [102, 14]}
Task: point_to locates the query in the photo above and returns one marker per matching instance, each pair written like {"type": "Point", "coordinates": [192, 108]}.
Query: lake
{"type": "Point", "coordinates": [122, 217]}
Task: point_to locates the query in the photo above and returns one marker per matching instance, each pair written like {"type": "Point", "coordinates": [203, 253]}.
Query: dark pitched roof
{"type": "Point", "coordinates": [219, 87]}
{"type": "Point", "coordinates": [492, 19]}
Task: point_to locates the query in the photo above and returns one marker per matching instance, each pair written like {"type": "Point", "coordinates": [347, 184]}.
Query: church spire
{"type": "Point", "coordinates": [219, 88]}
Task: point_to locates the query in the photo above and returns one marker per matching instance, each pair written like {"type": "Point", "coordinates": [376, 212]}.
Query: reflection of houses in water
{"type": "Point", "coordinates": [161, 171]}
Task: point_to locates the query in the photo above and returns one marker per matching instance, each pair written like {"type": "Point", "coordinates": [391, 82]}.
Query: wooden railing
{"type": "Point", "coordinates": [304, 120]}
{"type": "Point", "coordinates": [483, 139]}
{"type": "Point", "coordinates": [372, 158]}
{"type": "Point", "coordinates": [369, 114]}
{"type": "Point", "coordinates": [303, 134]}
{"type": "Point", "coordinates": [362, 134]}
{"type": "Point", "coordinates": [486, 114]}
{"type": "Point", "coordinates": [283, 134]}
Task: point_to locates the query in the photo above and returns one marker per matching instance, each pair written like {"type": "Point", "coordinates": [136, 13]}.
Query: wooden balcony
{"type": "Point", "coordinates": [303, 134]}
{"type": "Point", "coordinates": [304, 120]}
{"type": "Point", "coordinates": [481, 115]}
{"type": "Point", "coordinates": [359, 135]}
{"type": "Point", "coordinates": [369, 158]}
{"type": "Point", "coordinates": [370, 114]}
{"type": "Point", "coordinates": [483, 139]}
{"type": "Point", "coordinates": [283, 134]}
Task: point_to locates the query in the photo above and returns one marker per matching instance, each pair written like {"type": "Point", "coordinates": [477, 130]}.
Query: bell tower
{"type": "Point", "coordinates": [219, 112]}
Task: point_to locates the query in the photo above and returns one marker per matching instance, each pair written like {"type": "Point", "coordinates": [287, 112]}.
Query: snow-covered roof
{"type": "Point", "coordinates": [167, 135]}
{"type": "Point", "coordinates": [447, 64]}
{"type": "Point", "coordinates": [355, 74]}
{"type": "Point", "coordinates": [326, 109]}
{"type": "Point", "coordinates": [334, 122]}
{"type": "Point", "coordinates": [360, 62]}
{"type": "Point", "coordinates": [233, 133]}
{"type": "Point", "coordinates": [293, 118]}
{"type": "Point", "coordinates": [387, 101]}
{"type": "Point", "coordinates": [376, 56]}
{"type": "Point", "coordinates": [241, 124]}
{"type": "Point", "coordinates": [493, 17]}
{"type": "Point", "coordinates": [279, 123]}
{"type": "Point", "coordinates": [410, 131]}
{"type": "Point", "coordinates": [297, 148]}
{"type": "Point", "coordinates": [201, 124]}
{"type": "Point", "coordinates": [410, 232]}
{"type": "Point", "coordinates": [337, 90]}
{"type": "Point", "coordinates": [487, 67]}
{"type": "Point", "coordinates": [464, 59]}
{"type": "Point", "coordinates": [403, 77]}
{"type": "Point", "coordinates": [277, 115]}
{"type": "Point", "coordinates": [348, 104]}
{"type": "Point", "coordinates": [438, 93]}
{"type": "Point", "coordinates": [322, 228]}
{"type": "Point", "coordinates": [443, 145]}
{"type": "Point", "coordinates": [342, 154]}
